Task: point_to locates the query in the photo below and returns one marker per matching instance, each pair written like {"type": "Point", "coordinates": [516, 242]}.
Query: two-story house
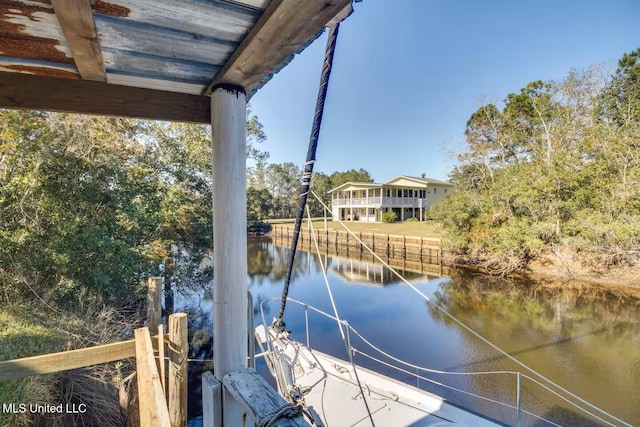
{"type": "Point", "coordinates": [407, 196]}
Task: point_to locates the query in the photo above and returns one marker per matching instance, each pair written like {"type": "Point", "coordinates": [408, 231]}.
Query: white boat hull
{"type": "Point", "coordinates": [333, 396]}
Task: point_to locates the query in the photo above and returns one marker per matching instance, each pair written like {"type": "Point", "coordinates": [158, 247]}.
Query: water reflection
{"type": "Point", "coordinates": [584, 338]}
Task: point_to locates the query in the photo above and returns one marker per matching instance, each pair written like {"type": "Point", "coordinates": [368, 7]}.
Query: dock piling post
{"type": "Point", "coordinates": [154, 304]}
{"type": "Point", "coordinates": [228, 139]}
{"type": "Point", "coordinates": [178, 352]}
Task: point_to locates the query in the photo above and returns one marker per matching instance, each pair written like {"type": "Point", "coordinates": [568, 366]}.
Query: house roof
{"type": "Point", "coordinates": [355, 184]}
{"type": "Point", "coordinates": [155, 59]}
{"type": "Point", "coordinates": [364, 185]}
{"type": "Point", "coordinates": [420, 180]}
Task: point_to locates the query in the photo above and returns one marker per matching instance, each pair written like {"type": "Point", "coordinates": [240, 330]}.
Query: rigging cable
{"type": "Point", "coordinates": [278, 324]}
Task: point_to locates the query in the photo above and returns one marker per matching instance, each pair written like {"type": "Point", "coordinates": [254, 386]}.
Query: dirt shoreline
{"type": "Point", "coordinates": [624, 280]}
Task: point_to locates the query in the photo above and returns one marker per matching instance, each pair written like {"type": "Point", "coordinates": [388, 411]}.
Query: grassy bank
{"type": "Point", "coordinates": [22, 337]}
{"type": "Point", "coordinates": [33, 328]}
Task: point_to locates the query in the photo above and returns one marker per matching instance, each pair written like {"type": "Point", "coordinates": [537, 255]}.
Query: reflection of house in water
{"type": "Point", "coordinates": [371, 273]}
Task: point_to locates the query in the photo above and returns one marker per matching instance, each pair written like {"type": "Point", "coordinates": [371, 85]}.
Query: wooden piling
{"type": "Point", "coordinates": [163, 378]}
{"type": "Point", "coordinates": [178, 352]}
{"type": "Point", "coordinates": [151, 401]}
{"type": "Point", "coordinates": [154, 304]}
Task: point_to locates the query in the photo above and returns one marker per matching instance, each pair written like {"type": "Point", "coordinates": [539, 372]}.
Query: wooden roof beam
{"type": "Point", "coordinates": [283, 28]}
{"type": "Point", "coordinates": [27, 91]}
{"type": "Point", "coordinates": [79, 29]}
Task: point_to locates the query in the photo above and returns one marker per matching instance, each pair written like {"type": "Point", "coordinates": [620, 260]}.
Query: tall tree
{"type": "Point", "coordinates": [283, 182]}
{"type": "Point", "coordinates": [556, 170]}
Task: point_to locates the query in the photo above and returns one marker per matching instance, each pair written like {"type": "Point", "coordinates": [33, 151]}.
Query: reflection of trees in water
{"type": "Point", "coordinates": [546, 304]}
{"type": "Point", "coordinates": [581, 336]}
{"type": "Point", "coordinates": [268, 263]}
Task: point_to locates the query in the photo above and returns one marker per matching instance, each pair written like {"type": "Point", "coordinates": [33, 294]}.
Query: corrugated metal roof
{"type": "Point", "coordinates": [83, 56]}
{"type": "Point", "coordinates": [159, 44]}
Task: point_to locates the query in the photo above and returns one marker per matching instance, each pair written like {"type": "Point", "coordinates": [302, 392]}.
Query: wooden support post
{"type": "Point", "coordinates": [326, 238]}
{"type": "Point", "coordinates": [154, 304]}
{"type": "Point", "coordinates": [228, 125]}
{"type": "Point", "coordinates": [151, 401]}
{"type": "Point", "coordinates": [347, 238]}
{"type": "Point", "coordinates": [178, 352]}
{"type": "Point", "coordinates": [211, 401]}
{"type": "Point", "coordinates": [404, 247]}
{"type": "Point", "coordinates": [387, 247]}
{"type": "Point", "coordinates": [161, 364]}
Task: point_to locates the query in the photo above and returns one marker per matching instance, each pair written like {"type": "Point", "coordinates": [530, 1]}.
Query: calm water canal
{"type": "Point", "coordinates": [584, 338]}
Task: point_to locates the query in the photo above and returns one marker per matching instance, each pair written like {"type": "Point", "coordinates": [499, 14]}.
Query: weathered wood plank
{"type": "Point", "coordinates": [161, 361]}
{"type": "Point", "coordinates": [282, 30]}
{"type": "Point", "coordinates": [257, 397]}
{"type": "Point", "coordinates": [124, 79]}
{"type": "Point", "coordinates": [178, 352]}
{"type": "Point", "coordinates": [24, 91]}
{"type": "Point", "coordinates": [76, 21]}
{"type": "Point", "coordinates": [211, 401]}
{"type": "Point", "coordinates": [65, 360]}
{"type": "Point", "coordinates": [152, 405]}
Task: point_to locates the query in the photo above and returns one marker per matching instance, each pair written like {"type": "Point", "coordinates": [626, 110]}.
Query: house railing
{"type": "Point", "coordinates": [376, 202]}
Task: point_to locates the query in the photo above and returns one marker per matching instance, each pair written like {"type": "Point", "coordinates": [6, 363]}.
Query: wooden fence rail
{"type": "Point", "coordinates": [153, 406]}
{"type": "Point", "coordinates": [65, 360]}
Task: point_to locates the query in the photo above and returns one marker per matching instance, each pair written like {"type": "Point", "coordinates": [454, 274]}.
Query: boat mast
{"type": "Point", "coordinates": [308, 165]}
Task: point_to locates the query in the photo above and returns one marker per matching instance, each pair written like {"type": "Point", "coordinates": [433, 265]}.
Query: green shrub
{"type": "Point", "coordinates": [389, 217]}
{"type": "Point", "coordinates": [413, 219]}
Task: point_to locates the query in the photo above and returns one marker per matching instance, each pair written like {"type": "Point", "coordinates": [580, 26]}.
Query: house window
{"type": "Point", "coordinates": [406, 192]}
{"type": "Point", "coordinates": [388, 192]}
{"type": "Point", "coordinates": [415, 193]}
{"type": "Point", "coordinates": [445, 191]}
{"type": "Point", "coordinates": [435, 191]}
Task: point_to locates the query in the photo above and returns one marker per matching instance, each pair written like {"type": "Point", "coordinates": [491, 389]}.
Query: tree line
{"type": "Point", "coordinates": [100, 203]}
{"type": "Point", "coordinates": [554, 170]}
{"type": "Point", "coordinates": [273, 190]}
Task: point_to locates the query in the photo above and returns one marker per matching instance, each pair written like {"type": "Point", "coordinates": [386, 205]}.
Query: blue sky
{"type": "Point", "coordinates": [408, 74]}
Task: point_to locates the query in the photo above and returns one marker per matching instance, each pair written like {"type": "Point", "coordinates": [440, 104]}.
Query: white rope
{"type": "Point", "coordinates": [474, 333]}
{"type": "Point", "coordinates": [323, 268]}
{"type": "Point", "coordinates": [335, 311]}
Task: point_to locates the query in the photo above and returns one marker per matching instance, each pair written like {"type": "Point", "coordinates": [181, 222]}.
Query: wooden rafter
{"type": "Point", "coordinates": [76, 20]}
{"type": "Point", "coordinates": [26, 91]}
{"type": "Point", "coordinates": [281, 30]}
